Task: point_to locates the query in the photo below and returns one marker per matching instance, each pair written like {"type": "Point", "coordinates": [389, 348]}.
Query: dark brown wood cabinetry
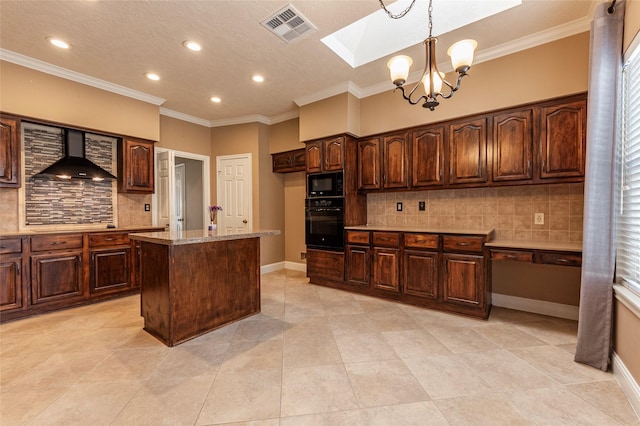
{"type": "Point", "coordinates": [135, 166]}
{"type": "Point", "coordinates": [10, 147]}
{"type": "Point", "coordinates": [325, 155]}
{"type": "Point", "coordinates": [467, 146]}
{"type": "Point", "coordinates": [427, 157]}
{"type": "Point", "coordinates": [513, 146]}
{"type": "Point", "coordinates": [56, 269]}
{"type": "Point", "coordinates": [563, 140]}
{"type": "Point", "coordinates": [395, 164]}
{"type": "Point", "coordinates": [111, 262]}
{"type": "Point", "coordinates": [357, 254]}
{"type": "Point", "coordinates": [386, 261]}
{"type": "Point", "coordinates": [325, 267]}
{"type": "Point", "coordinates": [421, 260]}
{"type": "Point", "coordinates": [369, 170]}
{"type": "Point", "coordinates": [289, 161]}
{"type": "Point", "coordinates": [12, 270]}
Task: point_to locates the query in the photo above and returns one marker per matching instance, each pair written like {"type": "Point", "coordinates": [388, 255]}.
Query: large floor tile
{"type": "Point", "coordinates": [509, 336]}
{"type": "Point", "coordinates": [364, 347]}
{"type": "Point", "coordinates": [319, 389]}
{"type": "Point", "coordinates": [337, 418]}
{"type": "Point", "coordinates": [486, 410]}
{"type": "Point", "coordinates": [311, 351]}
{"type": "Point", "coordinates": [415, 414]}
{"type": "Point", "coordinates": [608, 398]}
{"type": "Point", "coordinates": [414, 343]}
{"type": "Point", "coordinates": [462, 339]}
{"type": "Point", "coordinates": [351, 325]}
{"type": "Point", "coordinates": [242, 356]}
{"type": "Point", "coordinates": [126, 365]}
{"type": "Point", "coordinates": [19, 407]}
{"type": "Point", "coordinates": [191, 360]}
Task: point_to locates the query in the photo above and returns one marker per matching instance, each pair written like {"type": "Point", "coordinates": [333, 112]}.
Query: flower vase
{"type": "Point", "coordinates": [212, 216]}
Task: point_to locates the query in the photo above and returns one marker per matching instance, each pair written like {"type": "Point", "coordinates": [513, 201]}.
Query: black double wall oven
{"type": "Point", "coordinates": [324, 211]}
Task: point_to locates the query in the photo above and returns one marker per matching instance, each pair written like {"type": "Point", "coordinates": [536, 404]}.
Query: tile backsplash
{"type": "Point", "coordinates": [508, 210]}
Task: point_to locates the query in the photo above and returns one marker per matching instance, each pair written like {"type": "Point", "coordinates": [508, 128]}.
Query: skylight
{"type": "Point", "coordinates": [377, 35]}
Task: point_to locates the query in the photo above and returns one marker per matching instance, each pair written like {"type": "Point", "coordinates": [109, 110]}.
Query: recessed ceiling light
{"type": "Point", "coordinates": [58, 43]}
{"type": "Point", "coordinates": [216, 99]}
{"type": "Point", "coordinates": [192, 45]}
{"type": "Point", "coordinates": [152, 76]}
{"type": "Point", "coordinates": [257, 78]}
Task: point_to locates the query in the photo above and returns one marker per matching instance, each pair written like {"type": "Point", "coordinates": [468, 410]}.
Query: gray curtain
{"type": "Point", "coordinates": [601, 189]}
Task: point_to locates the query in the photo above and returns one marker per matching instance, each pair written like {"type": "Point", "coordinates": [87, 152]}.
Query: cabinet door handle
{"type": "Point", "coordinates": [57, 243]}
{"type": "Point", "coordinates": [529, 166]}
{"type": "Point", "coordinates": [420, 241]}
{"type": "Point", "coordinates": [18, 268]}
{"type": "Point", "coordinates": [561, 260]}
{"type": "Point", "coordinates": [511, 256]}
{"type": "Point", "coordinates": [109, 239]}
{"type": "Point", "coordinates": [463, 244]}
{"type": "Point", "coordinates": [3, 247]}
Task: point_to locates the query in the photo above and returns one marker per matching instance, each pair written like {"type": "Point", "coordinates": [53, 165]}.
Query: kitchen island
{"type": "Point", "coordinates": [197, 281]}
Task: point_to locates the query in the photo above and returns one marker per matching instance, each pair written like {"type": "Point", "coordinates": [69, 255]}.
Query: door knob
{"type": "Point", "coordinates": [244, 221]}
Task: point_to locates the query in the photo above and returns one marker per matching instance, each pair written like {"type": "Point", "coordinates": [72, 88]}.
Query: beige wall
{"type": "Point", "coordinates": [631, 22]}
{"type": "Point", "coordinates": [42, 96]}
{"type": "Point", "coordinates": [268, 188]}
{"type": "Point", "coordinates": [184, 136]}
{"type": "Point", "coordinates": [285, 136]}
{"type": "Point", "coordinates": [325, 118]}
{"type": "Point", "coordinates": [294, 195]}
{"type": "Point", "coordinates": [627, 339]}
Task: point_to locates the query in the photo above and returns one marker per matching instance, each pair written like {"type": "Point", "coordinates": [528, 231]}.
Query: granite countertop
{"type": "Point", "coordinates": [425, 229]}
{"type": "Point", "coordinates": [197, 236]}
{"type": "Point", "coordinates": [78, 229]}
{"type": "Point", "coordinates": [537, 245]}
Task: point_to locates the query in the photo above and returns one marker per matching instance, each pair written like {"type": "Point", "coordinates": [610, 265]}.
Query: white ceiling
{"type": "Point", "coordinates": [116, 42]}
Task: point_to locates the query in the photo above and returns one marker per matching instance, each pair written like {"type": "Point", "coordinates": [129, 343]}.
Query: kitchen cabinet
{"type": "Point", "coordinates": [467, 146]}
{"type": "Point", "coordinates": [395, 162]}
{"type": "Point", "coordinates": [386, 261]}
{"type": "Point", "coordinates": [110, 269]}
{"type": "Point", "coordinates": [289, 161]}
{"type": "Point", "coordinates": [563, 139]}
{"type": "Point", "coordinates": [325, 267]}
{"type": "Point", "coordinates": [10, 149]}
{"type": "Point", "coordinates": [427, 157]}
{"type": "Point", "coordinates": [56, 269]}
{"type": "Point", "coordinates": [464, 280]}
{"type": "Point", "coordinates": [421, 266]}
{"type": "Point", "coordinates": [12, 270]}
{"type": "Point", "coordinates": [513, 146]}
{"type": "Point", "coordinates": [325, 155]}
{"type": "Point", "coordinates": [136, 270]}
{"type": "Point", "coordinates": [369, 170]}
{"type": "Point", "coordinates": [357, 254]}
{"type": "Point", "coordinates": [135, 166]}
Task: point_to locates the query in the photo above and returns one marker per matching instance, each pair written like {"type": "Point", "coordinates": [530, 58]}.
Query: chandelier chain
{"type": "Point", "coordinates": [430, 19]}
{"type": "Point", "coordinates": [399, 15]}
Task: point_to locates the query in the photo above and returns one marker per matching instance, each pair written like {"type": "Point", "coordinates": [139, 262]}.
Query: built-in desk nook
{"type": "Point", "coordinates": [196, 281]}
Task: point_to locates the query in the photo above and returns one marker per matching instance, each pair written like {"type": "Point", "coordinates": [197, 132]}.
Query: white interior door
{"type": "Point", "coordinates": [234, 192]}
{"type": "Point", "coordinates": [163, 192]}
{"type": "Point", "coordinates": [180, 197]}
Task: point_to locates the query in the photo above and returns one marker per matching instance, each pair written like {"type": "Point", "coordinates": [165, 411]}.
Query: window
{"type": "Point", "coordinates": [628, 239]}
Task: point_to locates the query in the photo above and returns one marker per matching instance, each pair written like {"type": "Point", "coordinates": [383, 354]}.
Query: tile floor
{"type": "Point", "coordinates": [314, 356]}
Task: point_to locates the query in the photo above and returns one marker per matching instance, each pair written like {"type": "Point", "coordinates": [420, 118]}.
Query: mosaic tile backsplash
{"type": "Point", "coordinates": [508, 210]}
{"type": "Point", "coordinates": [65, 202]}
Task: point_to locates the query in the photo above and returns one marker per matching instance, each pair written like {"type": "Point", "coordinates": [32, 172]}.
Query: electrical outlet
{"type": "Point", "coordinates": [399, 207]}
{"type": "Point", "coordinates": [421, 205]}
{"type": "Point", "coordinates": [147, 207]}
{"type": "Point", "coordinates": [303, 255]}
{"type": "Point", "coordinates": [538, 219]}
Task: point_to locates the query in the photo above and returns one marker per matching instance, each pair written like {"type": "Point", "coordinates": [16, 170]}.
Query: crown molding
{"type": "Point", "coordinates": [284, 117]}
{"type": "Point", "coordinates": [25, 61]}
{"type": "Point", "coordinates": [338, 89]}
{"type": "Point", "coordinates": [184, 117]}
{"type": "Point", "coordinates": [257, 118]}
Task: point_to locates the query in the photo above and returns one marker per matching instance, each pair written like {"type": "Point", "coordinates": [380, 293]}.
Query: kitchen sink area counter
{"type": "Point", "coordinates": [196, 281]}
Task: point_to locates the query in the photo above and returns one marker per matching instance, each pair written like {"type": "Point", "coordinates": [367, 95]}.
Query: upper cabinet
{"type": "Point", "coordinates": [135, 166]}
{"type": "Point", "coordinates": [369, 172]}
{"type": "Point", "coordinates": [563, 139]}
{"type": "Point", "coordinates": [289, 161]}
{"type": "Point", "coordinates": [10, 152]}
{"type": "Point", "coordinates": [325, 155]}
{"type": "Point", "coordinates": [395, 162]}
{"type": "Point", "coordinates": [513, 146]}
{"type": "Point", "coordinates": [427, 157]}
{"type": "Point", "coordinates": [468, 152]}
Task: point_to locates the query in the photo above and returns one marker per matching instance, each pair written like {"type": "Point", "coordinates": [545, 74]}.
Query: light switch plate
{"type": "Point", "coordinates": [147, 207]}
{"type": "Point", "coordinates": [399, 207]}
{"type": "Point", "coordinates": [538, 219]}
{"type": "Point", "coordinates": [421, 206]}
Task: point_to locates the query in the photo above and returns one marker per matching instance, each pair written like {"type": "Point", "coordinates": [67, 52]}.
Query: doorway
{"type": "Point", "coordinates": [234, 192]}
{"type": "Point", "coordinates": [182, 191]}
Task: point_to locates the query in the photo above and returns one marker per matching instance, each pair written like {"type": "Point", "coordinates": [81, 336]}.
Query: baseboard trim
{"type": "Point", "coordinates": [295, 266]}
{"type": "Point", "coordinates": [272, 267]}
{"type": "Point", "coordinates": [628, 384]}
{"type": "Point", "coordinates": [552, 309]}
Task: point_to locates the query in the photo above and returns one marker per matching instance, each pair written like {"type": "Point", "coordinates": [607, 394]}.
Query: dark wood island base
{"type": "Point", "coordinates": [192, 286]}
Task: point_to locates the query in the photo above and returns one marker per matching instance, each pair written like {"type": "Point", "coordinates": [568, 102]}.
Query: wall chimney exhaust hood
{"type": "Point", "coordinates": [74, 165]}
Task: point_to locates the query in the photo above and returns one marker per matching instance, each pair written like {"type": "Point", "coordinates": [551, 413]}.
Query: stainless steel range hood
{"type": "Point", "coordinates": [74, 165]}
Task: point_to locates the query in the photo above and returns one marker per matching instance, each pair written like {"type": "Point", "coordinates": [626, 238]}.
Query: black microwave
{"type": "Point", "coordinates": [325, 185]}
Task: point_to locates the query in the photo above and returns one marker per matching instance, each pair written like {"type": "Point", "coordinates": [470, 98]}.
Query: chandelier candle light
{"type": "Point", "coordinates": [213, 213]}
{"type": "Point", "coordinates": [461, 54]}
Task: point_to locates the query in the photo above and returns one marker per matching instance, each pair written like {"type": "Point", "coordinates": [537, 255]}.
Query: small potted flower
{"type": "Point", "coordinates": [213, 212]}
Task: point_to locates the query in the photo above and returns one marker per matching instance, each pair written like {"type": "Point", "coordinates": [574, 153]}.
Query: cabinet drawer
{"type": "Point", "coordinates": [56, 242]}
{"type": "Point", "coordinates": [11, 245]}
{"type": "Point", "coordinates": [427, 241]}
{"type": "Point", "coordinates": [386, 239]}
{"type": "Point", "coordinates": [462, 243]}
{"type": "Point", "coordinates": [566, 259]}
{"type": "Point", "coordinates": [108, 239]}
{"type": "Point", "coordinates": [358, 237]}
{"type": "Point", "coordinates": [519, 256]}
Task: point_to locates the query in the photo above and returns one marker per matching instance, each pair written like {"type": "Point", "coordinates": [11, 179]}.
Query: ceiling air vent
{"type": "Point", "coordinates": [288, 24]}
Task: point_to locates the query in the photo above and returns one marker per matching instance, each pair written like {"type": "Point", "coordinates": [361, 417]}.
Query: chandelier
{"type": "Point", "coordinates": [461, 54]}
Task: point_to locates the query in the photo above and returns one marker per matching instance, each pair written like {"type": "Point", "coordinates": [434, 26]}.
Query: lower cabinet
{"type": "Point", "coordinates": [110, 269]}
{"type": "Point", "coordinates": [447, 272]}
{"type": "Point", "coordinates": [11, 272]}
{"type": "Point", "coordinates": [56, 276]}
